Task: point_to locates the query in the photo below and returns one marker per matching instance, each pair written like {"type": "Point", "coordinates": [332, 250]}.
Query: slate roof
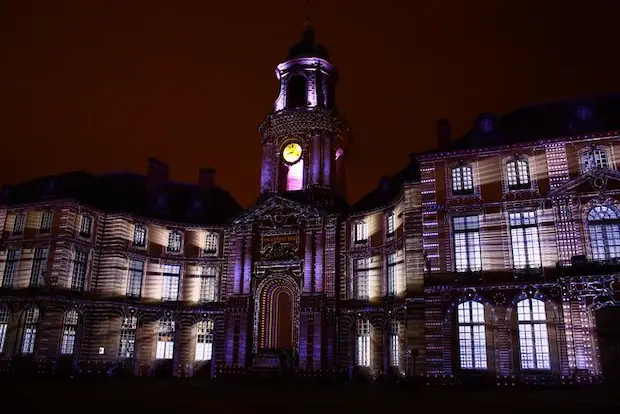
{"type": "Point", "coordinates": [127, 192]}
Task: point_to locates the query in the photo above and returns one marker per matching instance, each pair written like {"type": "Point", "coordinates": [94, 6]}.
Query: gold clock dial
{"type": "Point", "coordinates": [292, 152]}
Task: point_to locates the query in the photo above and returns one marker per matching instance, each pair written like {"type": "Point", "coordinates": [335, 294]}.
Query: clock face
{"type": "Point", "coordinates": [291, 152]}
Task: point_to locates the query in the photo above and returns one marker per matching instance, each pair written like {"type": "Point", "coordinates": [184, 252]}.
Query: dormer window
{"type": "Point", "coordinates": [211, 243]}
{"type": "Point", "coordinates": [175, 240]}
{"type": "Point", "coordinates": [390, 225]}
{"type": "Point", "coordinates": [518, 174]}
{"type": "Point", "coordinates": [462, 180]}
{"type": "Point", "coordinates": [595, 157]}
{"type": "Point", "coordinates": [20, 223]}
{"type": "Point", "coordinates": [46, 222]}
{"type": "Point", "coordinates": [139, 235]}
{"type": "Point", "coordinates": [361, 232]}
{"type": "Point", "coordinates": [86, 225]}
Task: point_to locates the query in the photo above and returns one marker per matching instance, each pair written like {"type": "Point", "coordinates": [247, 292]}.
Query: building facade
{"type": "Point", "coordinates": [493, 258]}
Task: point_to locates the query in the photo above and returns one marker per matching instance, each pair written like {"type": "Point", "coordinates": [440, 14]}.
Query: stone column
{"type": "Point", "coordinates": [318, 262]}
{"type": "Point", "coordinates": [327, 160]}
{"type": "Point", "coordinates": [307, 288]}
{"type": "Point", "coordinates": [238, 270]}
{"type": "Point", "coordinates": [315, 159]}
{"type": "Point", "coordinates": [247, 265]}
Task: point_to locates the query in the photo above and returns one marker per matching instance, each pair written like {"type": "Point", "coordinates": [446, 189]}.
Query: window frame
{"type": "Point", "coordinates": [360, 229]}
{"type": "Point", "coordinates": [363, 345]}
{"type": "Point", "coordinates": [171, 233]}
{"type": "Point", "coordinates": [167, 296]}
{"type": "Point", "coordinates": [212, 238]}
{"type": "Point", "coordinates": [472, 343]}
{"type": "Point", "coordinates": [590, 152]}
{"type": "Point", "coordinates": [535, 347]}
{"type": "Point", "coordinates": [69, 335]}
{"type": "Point", "coordinates": [22, 224]}
{"type": "Point", "coordinates": [77, 283]}
{"type": "Point", "coordinates": [205, 339]}
{"type": "Point", "coordinates": [165, 339]}
{"type": "Point", "coordinates": [9, 272]}
{"type": "Point", "coordinates": [361, 273]}
{"type": "Point", "coordinates": [46, 213]}
{"type": "Point", "coordinates": [30, 329]}
{"type": "Point", "coordinates": [519, 184]}
{"type": "Point", "coordinates": [471, 254]}
{"type": "Point", "coordinates": [205, 279]}
{"type": "Point", "coordinates": [83, 231]}
{"type": "Point", "coordinates": [40, 265]}
{"type": "Point", "coordinates": [522, 229]}
{"type": "Point", "coordinates": [459, 171]}
{"type": "Point", "coordinates": [128, 336]}
{"type": "Point", "coordinates": [603, 228]}
{"type": "Point", "coordinates": [133, 289]}
{"type": "Point", "coordinates": [137, 227]}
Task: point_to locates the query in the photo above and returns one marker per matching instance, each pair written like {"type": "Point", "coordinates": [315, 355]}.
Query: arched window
{"type": "Point", "coordinates": [204, 341]}
{"type": "Point", "coordinates": [518, 174]}
{"type": "Point", "coordinates": [296, 92]}
{"type": "Point", "coordinates": [595, 157]}
{"type": "Point", "coordinates": [4, 325]}
{"type": "Point", "coordinates": [604, 228]}
{"type": "Point", "coordinates": [462, 180]}
{"type": "Point", "coordinates": [533, 337]}
{"type": "Point", "coordinates": [472, 336]}
{"type": "Point", "coordinates": [69, 331]}
{"type": "Point", "coordinates": [31, 321]}
{"type": "Point", "coordinates": [165, 339]}
{"type": "Point", "coordinates": [295, 176]}
{"type": "Point", "coordinates": [127, 347]}
{"type": "Point", "coordinates": [362, 337]}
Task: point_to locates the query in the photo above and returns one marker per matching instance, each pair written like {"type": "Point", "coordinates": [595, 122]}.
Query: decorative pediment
{"type": "Point", "coordinates": [596, 180]}
{"type": "Point", "coordinates": [278, 212]}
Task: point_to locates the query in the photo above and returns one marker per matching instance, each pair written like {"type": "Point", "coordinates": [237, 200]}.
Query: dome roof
{"type": "Point", "coordinates": [308, 47]}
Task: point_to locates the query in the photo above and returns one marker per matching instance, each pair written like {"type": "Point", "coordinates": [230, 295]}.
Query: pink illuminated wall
{"type": "Point", "coordinates": [295, 176]}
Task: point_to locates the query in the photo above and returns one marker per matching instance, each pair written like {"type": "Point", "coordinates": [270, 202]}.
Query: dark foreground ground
{"type": "Point", "coordinates": [176, 396]}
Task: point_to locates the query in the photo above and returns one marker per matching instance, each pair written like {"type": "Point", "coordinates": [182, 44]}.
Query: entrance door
{"type": "Point", "coordinates": [283, 321]}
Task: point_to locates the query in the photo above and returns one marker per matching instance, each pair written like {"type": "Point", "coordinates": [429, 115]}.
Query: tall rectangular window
{"type": "Point", "coordinates": [134, 278]}
{"type": "Point", "coordinates": [4, 325]}
{"type": "Point", "coordinates": [46, 222]}
{"type": "Point", "coordinates": [78, 276]}
{"type": "Point", "coordinates": [462, 180]}
{"type": "Point", "coordinates": [171, 277]}
{"type": "Point", "coordinates": [524, 238]}
{"type": "Point", "coordinates": [518, 175]}
{"type": "Point", "coordinates": [175, 240]}
{"type": "Point", "coordinates": [31, 320]}
{"type": "Point", "coordinates": [20, 223]}
{"type": "Point", "coordinates": [128, 337]}
{"type": "Point", "coordinates": [39, 265]}
{"type": "Point", "coordinates": [361, 272]}
{"type": "Point", "coordinates": [390, 224]}
{"type": "Point", "coordinates": [533, 336]}
{"type": "Point", "coordinates": [361, 232]}
{"type": "Point", "coordinates": [211, 243]}
{"type": "Point", "coordinates": [391, 274]}
{"type": "Point", "coordinates": [139, 235]}
{"type": "Point", "coordinates": [10, 268]}
{"type": "Point", "coordinates": [165, 339]}
{"type": "Point", "coordinates": [86, 225]}
{"type": "Point", "coordinates": [394, 344]}
{"type": "Point", "coordinates": [204, 341]}
{"type": "Point", "coordinates": [363, 342]}
{"type": "Point", "coordinates": [466, 234]}
{"type": "Point", "coordinates": [207, 283]}
{"type": "Point", "coordinates": [69, 331]}
{"type": "Point", "coordinates": [472, 337]}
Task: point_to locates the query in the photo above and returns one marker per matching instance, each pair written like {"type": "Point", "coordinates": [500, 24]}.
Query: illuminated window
{"type": "Point", "coordinates": [466, 234]}
{"type": "Point", "coordinates": [69, 331]}
{"type": "Point", "coordinates": [39, 265]}
{"type": "Point", "coordinates": [604, 229]}
{"type": "Point", "coordinates": [175, 240]}
{"type": "Point", "coordinates": [4, 325]}
{"type": "Point", "coordinates": [165, 339]}
{"type": "Point", "coordinates": [390, 224]}
{"type": "Point", "coordinates": [46, 222]}
{"type": "Point", "coordinates": [363, 342]}
{"type": "Point", "coordinates": [533, 337]}
{"type": "Point", "coordinates": [361, 278]}
{"type": "Point", "coordinates": [394, 344]}
{"type": "Point", "coordinates": [134, 278]}
{"type": "Point", "coordinates": [361, 232]}
{"type": "Point", "coordinates": [78, 275]}
{"type": "Point", "coordinates": [211, 243]}
{"type": "Point", "coordinates": [31, 320]}
{"type": "Point", "coordinates": [139, 235]}
{"type": "Point", "coordinates": [10, 268]}
{"type": "Point", "coordinates": [472, 339]}
{"type": "Point", "coordinates": [127, 346]}
{"type": "Point", "coordinates": [171, 277]}
{"type": "Point", "coordinates": [20, 222]}
{"type": "Point", "coordinates": [594, 158]}
{"type": "Point", "coordinates": [462, 180]}
{"type": "Point", "coordinates": [204, 341]}
{"type": "Point", "coordinates": [295, 176]}
{"type": "Point", "coordinates": [86, 224]}
{"type": "Point", "coordinates": [518, 175]}
{"type": "Point", "coordinates": [207, 284]}
{"type": "Point", "coordinates": [391, 274]}
{"type": "Point", "coordinates": [524, 238]}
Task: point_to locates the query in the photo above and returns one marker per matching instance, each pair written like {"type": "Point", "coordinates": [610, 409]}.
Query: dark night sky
{"type": "Point", "coordinates": [102, 85]}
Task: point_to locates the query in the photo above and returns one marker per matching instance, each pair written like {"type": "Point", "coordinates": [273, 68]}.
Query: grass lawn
{"type": "Point", "coordinates": [176, 395]}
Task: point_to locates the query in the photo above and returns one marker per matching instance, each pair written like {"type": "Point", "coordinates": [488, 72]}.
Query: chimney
{"type": "Point", "coordinates": [444, 137]}
{"type": "Point", "coordinates": [157, 174]}
{"type": "Point", "coordinates": [206, 178]}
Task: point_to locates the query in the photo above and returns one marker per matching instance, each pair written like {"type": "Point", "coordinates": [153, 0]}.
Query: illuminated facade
{"type": "Point", "coordinates": [493, 258]}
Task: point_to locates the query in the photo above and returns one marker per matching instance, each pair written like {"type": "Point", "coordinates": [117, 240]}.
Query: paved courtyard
{"type": "Point", "coordinates": [176, 395]}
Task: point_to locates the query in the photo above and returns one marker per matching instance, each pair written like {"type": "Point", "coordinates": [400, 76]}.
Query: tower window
{"type": "Point", "coordinates": [296, 92]}
{"type": "Point", "coordinates": [295, 176]}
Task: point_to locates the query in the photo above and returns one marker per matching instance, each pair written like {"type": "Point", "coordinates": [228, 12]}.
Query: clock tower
{"type": "Point", "coordinates": [304, 136]}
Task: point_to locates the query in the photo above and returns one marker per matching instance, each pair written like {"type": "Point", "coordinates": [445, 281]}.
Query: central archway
{"type": "Point", "coordinates": [277, 314]}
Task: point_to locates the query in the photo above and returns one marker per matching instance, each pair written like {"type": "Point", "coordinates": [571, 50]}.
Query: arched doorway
{"type": "Point", "coordinates": [277, 315]}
